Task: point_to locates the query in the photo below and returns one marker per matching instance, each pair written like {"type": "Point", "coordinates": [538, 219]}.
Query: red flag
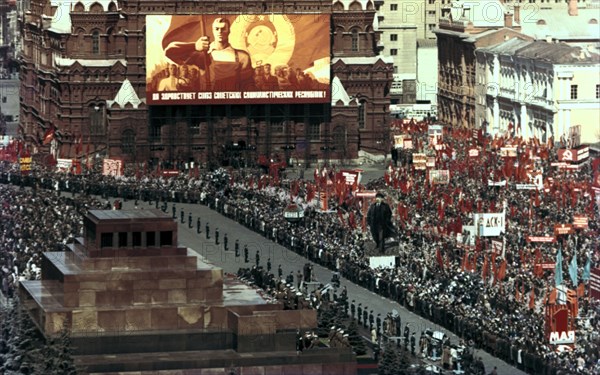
{"type": "Point", "coordinates": [465, 261]}
{"type": "Point", "coordinates": [484, 271]}
{"type": "Point", "coordinates": [325, 203]}
{"type": "Point", "coordinates": [89, 159]}
{"type": "Point", "coordinates": [341, 216]}
{"type": "Point", "coordinates": [438, 256]}
{"type": "Point", "coordinates": [517, 293]}
{"type": "Point", "coordinates": [501, 271]}
{"type": "Point", "coordinates": [49, 135]}
{"type": "Point", "coordinates": [78, 146]}
{"type": "Point", "coordinates": [310, 192]}
{"type": "Point", "coordinates": [440, 211]}
{"type": "Point", "coordinates": [532, 299]}
{"type": "Point", "coordinates": [552, 297]}
{"type": "Point", "coordinates": [352, 220]}
{"type": "Point", "coordinates": [493, 266]}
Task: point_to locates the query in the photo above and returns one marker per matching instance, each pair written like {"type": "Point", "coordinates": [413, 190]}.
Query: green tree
{"type": "Point", "coordinates": [21, 342]}
{"type": "Point", "coordinates": [389, 362]}
{"type": "Point", "coordinates": [58, 355]}
{"type": "Point", "coordinates": [357, 342]}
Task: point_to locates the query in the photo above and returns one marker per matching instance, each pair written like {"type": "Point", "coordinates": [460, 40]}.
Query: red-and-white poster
{"type": "Point", "coordinates": [580, 221]}
{"type": "Point", "coordinates": [595, 283]}
{"type": "Point", "coordinates": [498, 247]}
{"type": "Point", "coordinates": [112, 167]}
{"type": "Point", "coordinates": [419, 161]}
{"type": "Point", "coordinates": [352, 176]}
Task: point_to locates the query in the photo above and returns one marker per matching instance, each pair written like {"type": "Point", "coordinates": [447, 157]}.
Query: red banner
{"type": "Point", "coordinates": [561, 229]}
{"type": "Point", "coordinates": [169, 172]}
{"type": "Point", "coordinates": [366, 194]}
{"type": "Point", "coordinates": [580, 221]}
{"type": "Point", "coordinates": [547, 266]}
{"type": "Point", "coordinates": [541, 239]}
{"type": "Point", "coordinates": [566, 154]}
{"type": "Point", "coordinates": [559, 328]}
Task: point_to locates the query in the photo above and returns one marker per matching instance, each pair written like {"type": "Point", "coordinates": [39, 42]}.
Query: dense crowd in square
{"type": "Point", "coordinates": [437, 276]}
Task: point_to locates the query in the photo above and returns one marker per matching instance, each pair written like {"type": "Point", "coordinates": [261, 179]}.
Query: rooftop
{"type": "Point", "coordinates": [61, 61]}
{"type": "Point", "coordinates": [338, 92]}
{"type": "Point", "coordinates": [363, 3]}
{"type": "Point", "coordinates": [542, 23]}
{"type": "Point", "coordinates": [558, 53]}
{"type": "Point", "coordinates": [485, 13]}
{"type": "Point", "coordinates": [360, 60]}
{"type": "Point", "coordinates": [126, 95]}
{"type": "Point", "coordinates": [508, 47]}
{"type": "Point", "coordinates": [128, 214]}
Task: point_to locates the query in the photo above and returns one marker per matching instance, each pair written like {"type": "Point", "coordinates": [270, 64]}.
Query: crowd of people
{"type": "Point", "coordinates": [33, 222]}
{"type": "Point", "coordinates": [494, 298]}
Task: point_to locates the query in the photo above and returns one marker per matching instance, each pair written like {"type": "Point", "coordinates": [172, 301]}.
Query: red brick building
{"type": "Point", "coordinates": [83, 73]}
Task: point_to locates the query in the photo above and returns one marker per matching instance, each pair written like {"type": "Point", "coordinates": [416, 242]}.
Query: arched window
{"type": "Point", "coordinates": [339, 138]}
{"type": "Point", "coordinates": [354, 40]}
{"type": "Point", "coordinates": [128, 141]}
{"type": "Point", "coordinates": [95, 42]}
{"type": "Point", "coordinates": [362, 108]}
{"type": "Point", "coordinates": [97, 117]}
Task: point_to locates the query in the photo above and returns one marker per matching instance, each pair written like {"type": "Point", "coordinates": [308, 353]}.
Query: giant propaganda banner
{"type": "Point", "coordinates": [237, 59]}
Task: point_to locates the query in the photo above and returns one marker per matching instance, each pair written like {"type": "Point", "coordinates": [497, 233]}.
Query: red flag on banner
{"type": "Point", "coordinates": [439, 259]}
{"type": "Point", "coordinates": [517, 293]}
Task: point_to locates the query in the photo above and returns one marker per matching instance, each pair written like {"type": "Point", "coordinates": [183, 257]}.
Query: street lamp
{"type": "Point", "coordinates": [327, 149]}
{"type": "Point", "coordinates": [287, 149]}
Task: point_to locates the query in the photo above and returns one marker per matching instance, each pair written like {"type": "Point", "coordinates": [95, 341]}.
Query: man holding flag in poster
{"type": "Point", "coordinates": [225, 68]}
